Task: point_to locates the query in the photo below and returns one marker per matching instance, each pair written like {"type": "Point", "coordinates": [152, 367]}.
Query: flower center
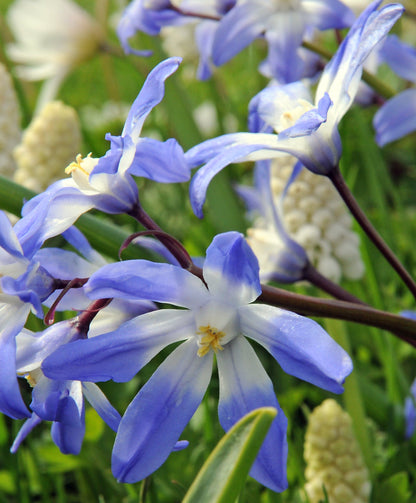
{"type": "Point", "coordinates": [79, 164]}
{"type": "Point", "coordinates": [210, 340]}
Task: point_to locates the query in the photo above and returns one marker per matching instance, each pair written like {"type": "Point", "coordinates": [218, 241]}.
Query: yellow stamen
{"type": "Point", "coordinates": [77, 165]}
{"type": "Point", "coordinates": [210, 340]}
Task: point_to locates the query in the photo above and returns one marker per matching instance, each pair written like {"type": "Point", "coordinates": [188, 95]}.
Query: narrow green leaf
{"type": "Point", "coordinates": [222, 477]}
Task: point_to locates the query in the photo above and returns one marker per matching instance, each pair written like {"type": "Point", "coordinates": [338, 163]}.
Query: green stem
{"type": "Point", "coordinates": [343, 190]}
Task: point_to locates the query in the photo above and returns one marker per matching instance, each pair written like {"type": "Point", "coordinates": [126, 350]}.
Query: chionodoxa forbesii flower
{"type": "Point", "coordinates": [219, 315]}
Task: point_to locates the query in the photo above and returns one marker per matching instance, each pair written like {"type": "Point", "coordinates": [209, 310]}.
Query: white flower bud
{"type": "Point", "coordinates": [333, 458]}
{"type": "Point", "coordinates": [49, 144]}
{"type": "Point", "coordinates": [10, 131]}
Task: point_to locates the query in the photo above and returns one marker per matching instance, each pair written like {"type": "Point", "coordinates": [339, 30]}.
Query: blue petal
{"type": "Point", "coordinates": [12, 319]}
{"type": "Point", "coordinates": [160, 161]}
{"type": "Point", "coordinates": [342, 74]}
{"type": "Point", "coordinates": [24, 431]}
{"type": "Point", "coordinates": [119, 355]}
{"type": "Point", "coordinates": [139, 17]}
{"type": "Point", "coordinates": [102, 406]}
{"type": "Point", "coordinates": [204, 38]}
{"type": "Point", "coordinates": [150, 95]}
{"type": "Point", "coordinates": [238, 28]}
{"type": "Point", "coordinates": [49, 214]}
{"type": "Point", "coordinates": [8, 239]}
{"type": "Point", "coordinates": [245, 386]}
{"type": "Point", "coordinates": [69, 427]}
{"type": "Point", "coordinates": [327, 14]}
{"type": "Point", "coordinates": [142, 279]}
{"type": "Point", "coordinates": [400, 57]}
{"type": "Point", "coordinates": [231, 148]}
{"type": "Point", "coordinates": [396, 118]}
{"type": "Point", "coordinates": [156, 417]}
{"type": "Point", "coordinates": [301, 346]}
{"type": "Point", "coordinates": [231, 267]}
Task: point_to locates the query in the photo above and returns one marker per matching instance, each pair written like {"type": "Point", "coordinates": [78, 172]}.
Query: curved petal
{"type": "Point", "coordinates": [8, 239]}
{"type": "Point", "coordinates": [160, 411]}
{"type": "Point", "coordinates": [327, 14]}
{"type": "Point", "coordinates": [102, 406]}
{"type": "Point", "coordinates": [245, 386]}
{"type": "Point", "coordinates": [396, 118]}
{"type": "Point", "coordinates": [301, 346]}
{"type": "Point", "coordinates": [150, 95]}
{"type": "Point", "coordinates": [142, 279]}
{"type": "Point", "coordinates": [13, 316]}
{"type": "Point", "coordinates": [24, 431]}
{"type": "Point", "coordinates": [238, 28]}
{"type": "Point", "coordinates": [342, 74]}
{"type": "Point", "coordinates": [69, 427]}
{"type": "Point", "coordinates": [119, 355]}
{"type": "Point", "coordinates": [160, 161]}
{"type": "Point", "coordinates": [400, 57]}
{"type": "Point", "coordinates": [231, 266]}
{"type": "Point", "coordinates": [232, 148]}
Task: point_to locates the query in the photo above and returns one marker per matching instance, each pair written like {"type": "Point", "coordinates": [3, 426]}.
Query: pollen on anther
{"type": "Point", "coordinates": [210, 340]}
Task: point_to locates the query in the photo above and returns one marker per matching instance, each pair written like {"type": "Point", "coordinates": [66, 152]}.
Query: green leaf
{"type": "Point", "coordinates": [395, 488]}
{"type": "Point", "coordinates": [222, 477]}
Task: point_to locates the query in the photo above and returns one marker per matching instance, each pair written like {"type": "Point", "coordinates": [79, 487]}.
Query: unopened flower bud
{"type": "Point", "coordinates": [9, 123]}
{"type": "Point", "coordinates": [49, 144]}
{"type": "Point", "coordinates": [333, 458]}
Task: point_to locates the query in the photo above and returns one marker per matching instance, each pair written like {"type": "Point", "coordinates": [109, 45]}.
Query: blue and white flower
{"type": "Point", "coordinates": [305, 130]}
{"type": "Point", "coordinates": [219, 315]}
{"type": "Point", "coordinates": [107, 183]}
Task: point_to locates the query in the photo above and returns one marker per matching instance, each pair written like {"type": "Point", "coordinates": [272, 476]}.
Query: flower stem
{"type": "Point", "coordinates": [343, 190]}
{"type": "Point", "coordinates": [314, 277]}
{"type": "Point", "coordinates": [170, 243]}
{"type": "Point", "coordinates": [402, 327]}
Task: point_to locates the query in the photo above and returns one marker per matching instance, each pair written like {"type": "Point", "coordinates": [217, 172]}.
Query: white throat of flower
{"type": "Point", "coordinates": [81, 169]}
{"type": "Point", "coordinates": [217, 325]}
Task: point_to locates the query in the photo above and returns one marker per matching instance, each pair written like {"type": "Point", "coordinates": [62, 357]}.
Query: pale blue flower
{"type": "Point", "coordinates": [219, 315]}
{"type": "Point", "coordinates": [305, 130]}
{"type": "Point", "coordinates": [107, 183]}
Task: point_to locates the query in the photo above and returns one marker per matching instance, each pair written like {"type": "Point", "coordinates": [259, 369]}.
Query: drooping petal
{"type": "Point", "coordinates": [150, 95]}
{"type": "Point", "coordinates": [396, 118]}
{"type": "Point", "coordinates": [245, 386]}
{"type": "Point", "coordinates": [24, 431]}
{"type": "Point", "coordinates": [231, 266]}
{"type": "Point", "coordinates": [400, 57]}
{"type": "Point", "coordinates": [223, 151]}
{"type": "Point", "coordinates": [13, 314]}
{"type": "Point", "coordinates": [68, 429]}
{"type": "Point", "coordinates": [142, 279]}
{"type": "Point", "coordinates": [327, 14]}
{"type": "Point", "coordinates": [238, 28]}
{"type": "Point", "coordinates": [102, 406]}
{"type": "Point", "coordinates": [160, 411]}
{"type": "Point", "coordinates": [119, 355]}
{"type": "Point", "coordinates": [301, 346]}
{"type": "Point", "coordinates": [8, 239]}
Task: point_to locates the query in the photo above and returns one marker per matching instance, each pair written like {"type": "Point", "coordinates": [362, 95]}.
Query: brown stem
{"type": "Point", "coordinates": [343, 190]}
